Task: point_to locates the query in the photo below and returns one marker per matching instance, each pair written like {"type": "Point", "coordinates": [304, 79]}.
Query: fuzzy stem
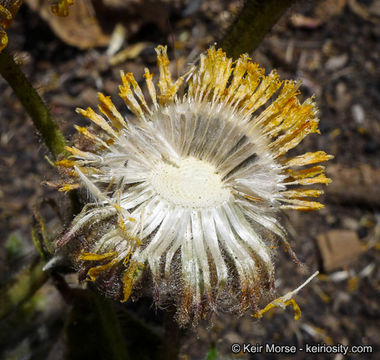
{"type": "Point", "coordinates": [111, 328]}
{"type": "Point", "coordinates": [255, 19]}
{"type": "Point", "coordinates": [173, 335]}
{"type": "Point", "coordinates": [32, 103]}
{"type": "Point", "coordinates": [22, 287]}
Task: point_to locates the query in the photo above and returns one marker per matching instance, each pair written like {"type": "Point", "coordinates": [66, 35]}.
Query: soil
{"type": "Point", "coordinates": [333, 47]}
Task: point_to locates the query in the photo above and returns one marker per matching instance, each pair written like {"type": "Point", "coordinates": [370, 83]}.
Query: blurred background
{"type": "Point", "coordinates": [331, 45]}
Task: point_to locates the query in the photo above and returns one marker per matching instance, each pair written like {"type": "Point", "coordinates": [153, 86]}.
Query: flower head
{"type": "Point", "coordinates": [185, 193]}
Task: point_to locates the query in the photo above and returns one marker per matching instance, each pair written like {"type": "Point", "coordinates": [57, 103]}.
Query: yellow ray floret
{"type": "Point", "coordinates": [109, 110]}
{"type": "Point", "coordinates": [294, 136]}
{"type": "Point", "coordinates": [213, 74]}
{"type": "Point", "coordinates": [286, 300]}
{"type": "Point", "coordinates": [308, 159]}
{"type": "Point", "coordinates": [65, 163]}
{"type": "Point", "coordinates": [301, 193]}
{"type": "Point", "coordinates": [127, 95]}
{"type": "Point", "coordinates": [152, 90]}
{"type": "Point", "coordinates": [89, 135]}
{"type": "Point", "coordinates": [8, 12]}
{"type": "Point", "coordinates": [282, 304]}
{"type": "Point", "coordinates": [94, 272]}
{"type": "Point", "coordinates": [96, 257]}
{"type": "Point", "coordinates": [130, 275]}
{"type": "Point", "coordinates": [313, 175]}
{"type": "Point", "coordinates": [69, 187]}
{"type": "Point", "coordinates": [98, 120]}
{"type": "Point", "coordinates": [246, 78]}
{"type": "Point", "coordinates": [76, 152]}
{"type": "Point", "coordinates": [296, 204]}
{"type": "Point", "coordinates": [275, 113]}
{"type": "Point", "coordinates": [168, 88]}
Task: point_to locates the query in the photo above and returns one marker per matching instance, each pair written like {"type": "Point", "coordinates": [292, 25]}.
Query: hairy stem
{"type": "Point", "coordinates": [255, 19]}
{"type": "Point", "coordinates": [23, 285]}
{"type": "Point", "coordinates": [173, 335]}
{"type": "Point", "coordinates": [111, 328]}
{"type": "Point", "coordinates": [32, 103]}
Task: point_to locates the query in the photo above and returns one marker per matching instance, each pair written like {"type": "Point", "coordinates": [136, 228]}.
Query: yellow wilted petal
{"type": "Point", "coordinates": [286, 300]}
{"type": "Point", "coordinates": [215, 71]}
{"type": "Point", "coordinates": [96, 257]}
{"type": "Point", "coordinates": [303, 205]}
{"type": "Point", "coordinates": [94, 272]}
{"type": "Point", "coordinates": [65, 163]}
{"type": "Point", "coordinates": [8, 12]}
{"type": "Point", "coordinates": [168, 89]}
{"type": "Point", "coordinates": [98, 120]}
{"type": "Point", "coordinates": [239, 70]}
{"type": "Point", "coordinates": [294, 136]}
{"type": "Point", "coordinates": [295, 115]}
{"type": "Point", "coordinates": [308, 159]}
{"type": "Point", "coordinates": [107, 107]}
{"type": "Point", "coordinates": [133, 271]}
{"type": "Point", "coordinates": [320, 179]}
{"type": "Point", "coordinates": [77, 152]}
{"type": "Point", "coordinates": [268, 86]}
{"type": "Point", "coordinates": [306, 173]}
{"type": "Point", "coordinates": [300, 193]}
{"type": "Point", "coordinates": [129, 98]}
{"type": "Point", "coordinates": [61, 7]}
{"type": "Point", "coordinates": [89, 135]}
{"type": "Point", "coordinates": [274, 115]}
{"type": "Point", "coordinates": [279, 303]}
{"type": "Point", "coordinates": [152, 90]}
{"type": "Point", "coordinates": [69, 187]}
{"type": "Point", "coordinates": [137, 91]}
{"type": "Point", "coordinates": [241, 89]}
{"type": "Point", "coordinates": [3, 40]}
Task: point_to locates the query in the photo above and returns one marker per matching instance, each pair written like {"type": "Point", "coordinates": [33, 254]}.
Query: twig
{"type": "Point", "coordinates": [32, 103]}
{"type": "Point", "coordinates": [255, 19]}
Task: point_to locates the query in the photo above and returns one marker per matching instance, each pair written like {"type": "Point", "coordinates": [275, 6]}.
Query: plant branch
{"type": "Point", "coordinates": [23, 285]}
{"type": "Point", "coordinates": [111, 328]}
{"type": "Point", "coordinates": [173, 335]}
{"type": "Point", "coordinates": [255, 19]}
{"type": "Point", "coordinates": [32, 103]}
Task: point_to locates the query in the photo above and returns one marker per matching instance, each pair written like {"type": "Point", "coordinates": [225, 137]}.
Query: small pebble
{"type": "Point", "coordinates": [336, 62]}
{"type": "Point", "coordinates": [358, 113]}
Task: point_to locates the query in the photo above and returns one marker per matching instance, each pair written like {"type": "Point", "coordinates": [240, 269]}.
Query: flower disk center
{"type": "Point", "coordinates": [191, 183]}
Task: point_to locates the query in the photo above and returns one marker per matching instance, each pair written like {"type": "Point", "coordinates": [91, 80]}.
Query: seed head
{"type": "Point", "coordinates": [185, 194]}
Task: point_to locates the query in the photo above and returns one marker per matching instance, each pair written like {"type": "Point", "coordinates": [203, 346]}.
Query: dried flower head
{"type": "Point", "coordinates": [185, 193]}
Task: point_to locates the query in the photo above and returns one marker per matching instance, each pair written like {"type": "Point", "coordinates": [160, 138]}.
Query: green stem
{"type": "Point", "coordinates": [255, 19]}
{"type": "Point", "coordinates": [173, 335]}
{"type": "Point", "coordinates": [111, 328]}
{"type": "Point", "coordinates": [22, 287]}
{"type": "Point", "coordinates": [32, 103]}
